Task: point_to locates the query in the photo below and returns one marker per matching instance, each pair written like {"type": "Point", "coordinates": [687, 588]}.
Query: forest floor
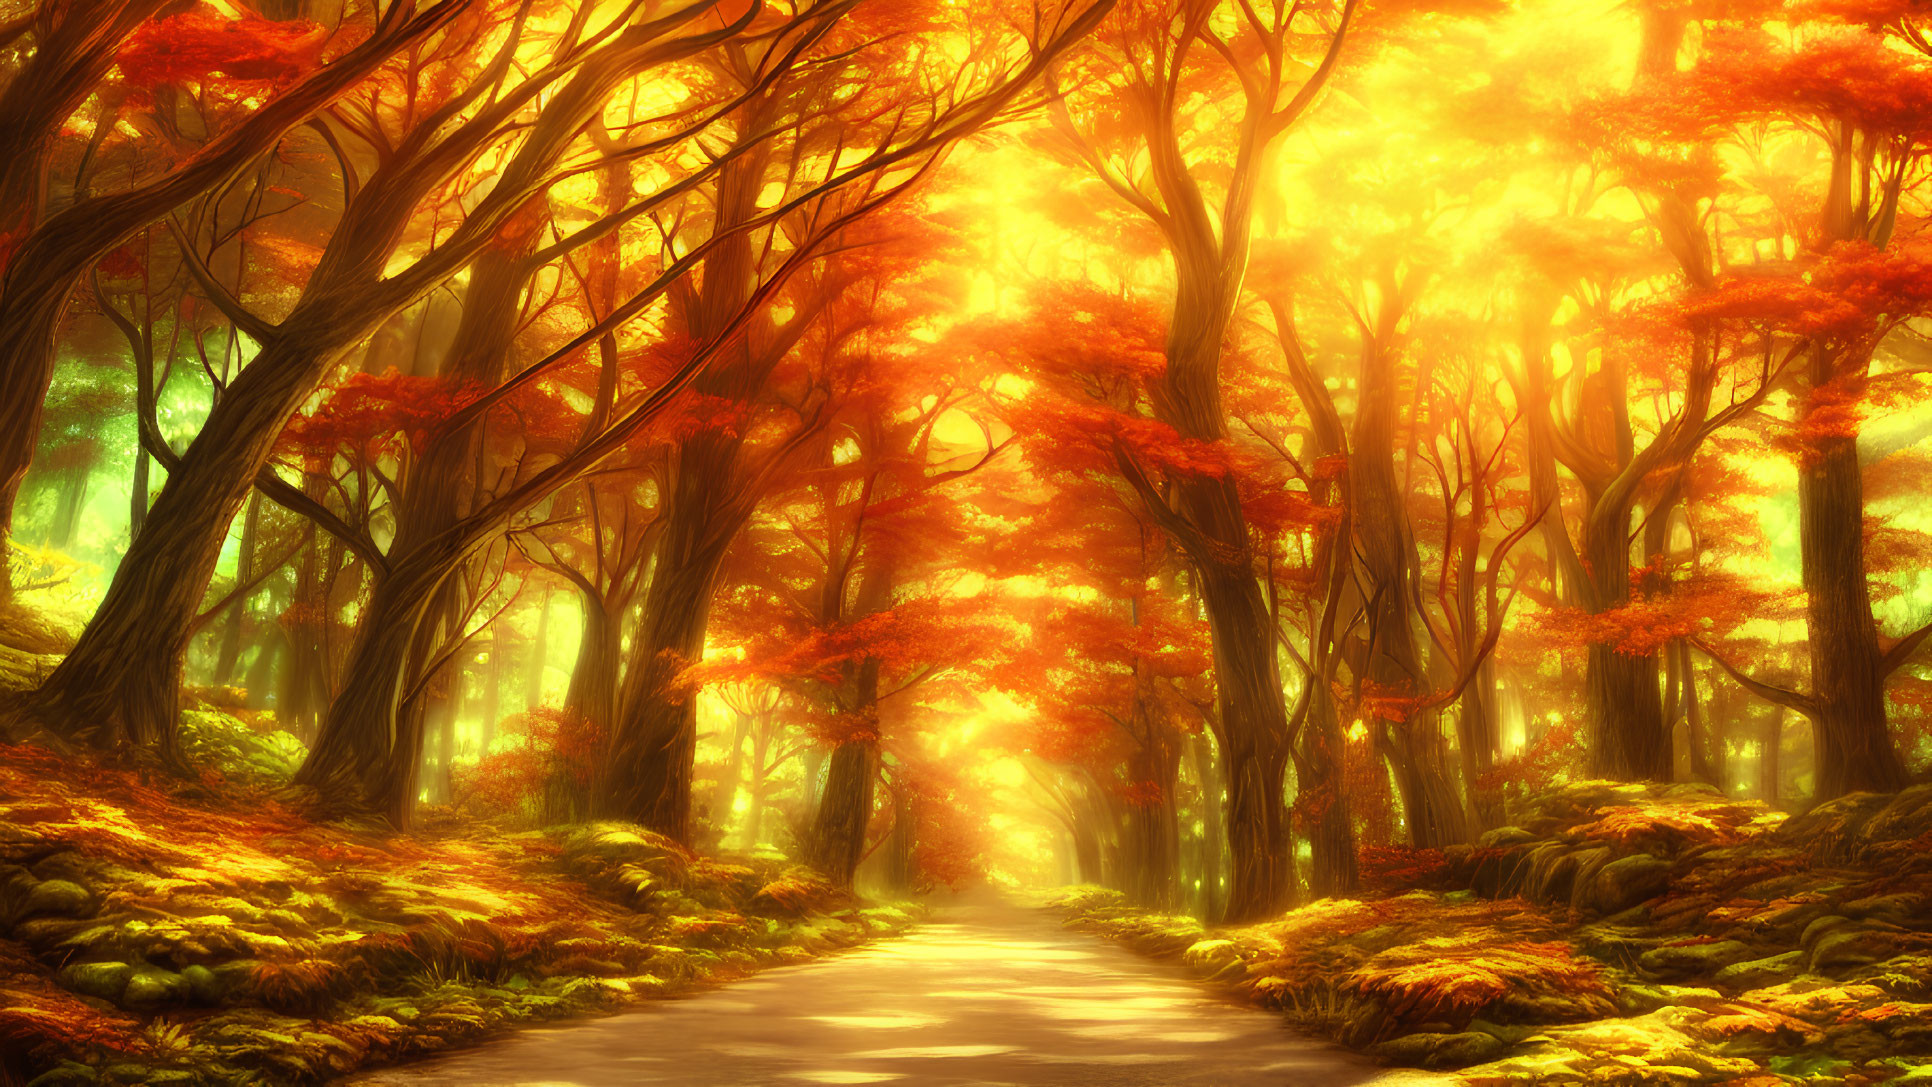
{"type": "Point", "coordinates": [1611, 934]}
{"type": "Point", "coordinates": [163, 931]}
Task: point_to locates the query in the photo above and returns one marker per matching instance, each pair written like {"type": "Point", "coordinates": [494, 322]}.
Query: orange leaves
{"type": "Point", "coordinates": [39, 1018]}
{"type": "Point", "coordinates": [551, 748]}
{"type": "Point", "coordinates": [1670, 823]}
{"type": "Point", "coordinates": [1843, 295]}
{"type": "Point", "coordinates": [202, 43]}
{"type": "Point", "coordinates": [1455, 978]}
{"type": "Point", "coordinates": [1711, 604]}
{"type": "Point", "coordinates": [369, 415]}
{"type": "Point", "coordinates": [1837, 72]}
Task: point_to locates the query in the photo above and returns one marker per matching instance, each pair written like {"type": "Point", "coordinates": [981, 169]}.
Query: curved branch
{"type": "Point", "coordinates": [1791, 700]}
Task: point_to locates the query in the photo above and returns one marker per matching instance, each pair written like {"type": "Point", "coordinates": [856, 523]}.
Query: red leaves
{"type": "Point", "coordinates": [370, 414]}
{"type": "Point", "coordinates": [549, 747]}
{"type": "Point", "coordinates": [202, 43]}
{"type": "Point", "coordinates": [1710, 605]}
{"type": "Point", "coordinates": [1846, 293]}
{"type": "Point", "coordinates": [1837, 72]}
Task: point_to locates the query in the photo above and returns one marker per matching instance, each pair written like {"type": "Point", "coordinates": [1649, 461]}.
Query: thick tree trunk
{"type": "Point", "coordinates": [231, 634]}
{"type": "Point", "coordinates": [1153, 825]}
{"type": "Point", "coordinates": [1333, 871]}
{"type": "Point", "coordinates": [845, 810]}
{"type": "Point", "coordinates": [1631, 742]}
{"type": "Point", "coordinates": [1630, 738]}
{"type": "Point", "coordinates": [365, 758]}
{"type": "Point", "coordinates": [592, 695]}
{"type": "Point", "coordinates": [436, 494]}
{"type": "Point", "coordinates": [647, 774]}
{"type": "Point", "coordinates": [1253, 738]}
{"type": "Point", "coordinates": [647, 778]}
{"type": "Point", "coordinates": [121, 681]}
{"type": "Point", "coordinates": [1856, 752]}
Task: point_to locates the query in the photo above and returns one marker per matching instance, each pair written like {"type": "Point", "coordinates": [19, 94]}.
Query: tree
{"type": "Point", "coordinates": [1861, 279]}
{"type": "Point", "coordinates": [1157, 62]}
{"type": "Point", "coordinates": [890, 126]}
{"type": "Point", "coordinates": [118, 684]}
{"type": "Point", "coordinates": [47, 251]}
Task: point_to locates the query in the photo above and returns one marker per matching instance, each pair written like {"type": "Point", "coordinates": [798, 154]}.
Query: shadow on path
{"type": "Point", "coordinates": [981, 995]}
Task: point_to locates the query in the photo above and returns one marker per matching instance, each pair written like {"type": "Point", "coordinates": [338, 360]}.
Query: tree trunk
{"type": "Point", "coordinates": [1855, 749]}
{"type": "Point", "coordinates": [654, 740]}
{"type": "Point", "coordinates": [1630, 738]}
{"type": "Point", "coordinates": [365, 757]}
{"type": "Point", "coordinates": [1153, 824]}
{"type": "Point", "coordinates": [647, 774]}
{"type": "Point", "coordinates": [1476, 744]}
{"type": "Point", "coordinates": [844, 812]}
{"type": "Point", "coordinates": [1769, 749]}
{"type": "Point", "coordinates": [901, 868]}
{"type": "Point", "coordinates": [41, 276]}
{"type": "Point", "coordinates": [1253, 738]}
{"type": "Point", "coordinates": [119, 682]}
{"type": "Point", "coordinates": [231, 635]}
{"type": "Point", "coordinates": [440, 489]}
{"type": "Point", "coordinates": [1333, 871]}
{"type": "Point", "coordinates": [1414, 740]}
{"type": "Point", "coordinates": [1631, 741]}
{"type": "Point", "coordinates": [592, 695]}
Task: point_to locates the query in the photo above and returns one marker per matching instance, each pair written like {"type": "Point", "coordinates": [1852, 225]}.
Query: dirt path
{"type": "Point", "coordinates": [982, 995]}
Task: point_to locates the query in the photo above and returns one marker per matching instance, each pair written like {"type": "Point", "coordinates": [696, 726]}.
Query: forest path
{"type": "Point", "coordinates": [980, 995]}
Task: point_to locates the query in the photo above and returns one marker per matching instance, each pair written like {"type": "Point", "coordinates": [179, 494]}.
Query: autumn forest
{"type": "Point", "coordinates": [1399, 525]}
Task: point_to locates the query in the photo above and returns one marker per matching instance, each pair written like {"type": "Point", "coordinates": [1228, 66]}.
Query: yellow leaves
{"type": "Point", "coordinates": [1462, 975]}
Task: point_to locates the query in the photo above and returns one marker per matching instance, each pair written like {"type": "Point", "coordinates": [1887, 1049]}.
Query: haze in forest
{"type": "Point", "coordinates": [1175, 445]}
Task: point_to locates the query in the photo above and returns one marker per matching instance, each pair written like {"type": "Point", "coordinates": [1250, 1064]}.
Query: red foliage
{"type": "Point", "coordinates": [1393, 869]}
{"type": "Point", "coordinates": [371, 415]}
{"type": "Point", "coordinates": [1709, 605]}
{"type": "Point", "coordinates": [546, 747]}
{"type": "Point", "coordinates": [197, 44]}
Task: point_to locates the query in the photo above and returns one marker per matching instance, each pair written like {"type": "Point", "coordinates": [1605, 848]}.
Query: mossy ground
{"type": "Point", "coordinates": [1611, 934]}
{"type": "Point", "coordinates": [161, 931]}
